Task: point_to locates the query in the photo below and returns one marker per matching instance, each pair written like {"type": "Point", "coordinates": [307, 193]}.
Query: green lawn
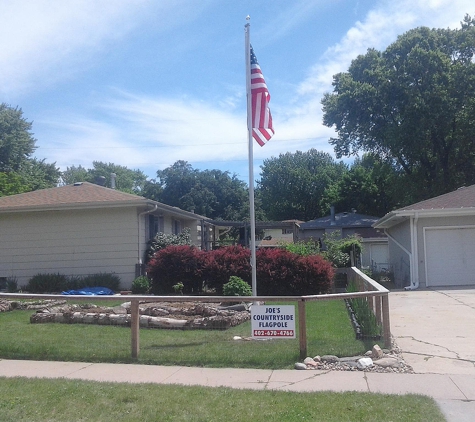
{"type": "Point", "coordinates": [329, 331]}
{"type": "Point", "coordinates": [69, 400]}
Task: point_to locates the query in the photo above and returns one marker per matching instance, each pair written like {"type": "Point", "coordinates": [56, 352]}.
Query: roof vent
{"type": "Point", "coordinates": [77, 184]}
{"type": "Point", "coordinates": [100, 180]}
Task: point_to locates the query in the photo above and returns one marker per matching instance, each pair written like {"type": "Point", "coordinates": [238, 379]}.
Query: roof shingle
{"type": "Point", "coordinates": [463, 197]}
{"type": "Point", "coordinates": [69, 195]}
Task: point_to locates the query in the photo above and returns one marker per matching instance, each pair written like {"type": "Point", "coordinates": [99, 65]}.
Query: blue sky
{"type": "Point", "coordinates": [144, 83]}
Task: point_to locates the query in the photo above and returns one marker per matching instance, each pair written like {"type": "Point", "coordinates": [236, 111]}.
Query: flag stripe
{"type": "Point", "coordinates": [262, 129]}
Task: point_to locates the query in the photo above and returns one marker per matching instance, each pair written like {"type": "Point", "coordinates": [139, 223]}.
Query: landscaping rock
{"type": "Point", "coordinates": [330, 358]}
{"type": "Point", "coordinates": [300, 366]}
{"type": "Point", "coordinates": [310, 362]}
{"type": "Point", "coordinates": [5, 306]}
{"type": "Point", "coordinates": [394, 364]}
{"type": "Point", "coordinates": [376, 352]}
{"type": "Point", "coordinates": [389, 362]}
{"type": "Point", "coordinates": [350, 359]}
{"type": "Point", "coordinates": [364, 363]}
{"type": "Point", "coordinates": [152, 315]}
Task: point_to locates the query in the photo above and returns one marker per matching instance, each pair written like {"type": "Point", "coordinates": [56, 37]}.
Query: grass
{"type": "Point", "coordinates": [329, 331]}
{"type": "Point", "coordinates": [70, 400]}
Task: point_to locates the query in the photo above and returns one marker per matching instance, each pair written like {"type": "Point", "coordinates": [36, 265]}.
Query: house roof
{"type": "Point", "coordinates": [458, 202]}
{"type": "Point", "coordinates": [342, 220]}
{"type": "Point", "coordinates": [463, 197]}
{"type": "Point", "coordinates": [81, 195]}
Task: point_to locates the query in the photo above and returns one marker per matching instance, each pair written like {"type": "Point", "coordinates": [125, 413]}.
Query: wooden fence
{"type": "Point", "coordinates": [373, 292]}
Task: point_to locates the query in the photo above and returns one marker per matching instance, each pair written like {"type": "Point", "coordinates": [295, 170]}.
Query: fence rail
{"type": "Point", "coordinates": [373, 292]}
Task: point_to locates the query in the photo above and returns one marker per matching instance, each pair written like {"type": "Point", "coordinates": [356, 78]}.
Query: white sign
{"type": "Point", "coordinates": [273, 321]}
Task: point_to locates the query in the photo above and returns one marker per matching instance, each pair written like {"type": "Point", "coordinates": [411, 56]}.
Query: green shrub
{"type": "Point", "coordinates": [109, 280]}
{"type": "Point", "coordinates": [12, 285]}
{"type": "Point", "coordinates": [55, 283]}
{"type": "Point", "coordinates": [178, 287]}
{"type": "Point", "coordinates": [338, 250]}
{"type": "Point", "coordinates": [141, 285]}
{"type": "Point", "coordinates": [302, 248]}
{"type": "Point", "coordinates": [365, 318]}
{"type": "Point", "coordinates": [237, 287]}
{"type": "Point", "coordinates": [47, 283]}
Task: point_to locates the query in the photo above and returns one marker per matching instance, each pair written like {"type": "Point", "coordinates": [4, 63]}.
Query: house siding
{"type": "Point", "coordinates": [72, 242]}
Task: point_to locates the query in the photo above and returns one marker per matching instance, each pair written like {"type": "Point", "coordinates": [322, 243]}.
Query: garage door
{"type": "Point", "coordinates": [379, 256]}
{"type": "Point", "coordinates": [450, 256]}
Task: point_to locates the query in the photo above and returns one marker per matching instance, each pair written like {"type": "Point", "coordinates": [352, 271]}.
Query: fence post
{"type": "Point", "coordinates": [134, 325]}
{"type": "Point", "coordinates": [302, 329]}
{"type": "Point", "coordinates": [386, 324]}
{"type": "Point", "coordinates": [377, 312]}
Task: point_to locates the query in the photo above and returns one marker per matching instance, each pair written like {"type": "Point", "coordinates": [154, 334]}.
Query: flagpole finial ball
{"type": "Point", "coordinates": [248, 18]}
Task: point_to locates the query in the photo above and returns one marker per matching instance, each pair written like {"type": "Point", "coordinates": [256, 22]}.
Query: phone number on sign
{"type": "Point", "coordinates": [273, 333]}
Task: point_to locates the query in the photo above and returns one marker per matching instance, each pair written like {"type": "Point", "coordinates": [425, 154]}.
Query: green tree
{"type": "Point", "coordinates": [152, 190]}
{"type": "Point", "coordinates": [213, 193]}
{"type": "Point", "coordinates": [176, 181]}
{"type": "Point", "coordinates": [291, 185]}
{"type": "Point", "coordinates": [37, 174]}
{"type": "Point", "coordinates": [16, 140]}
{"type": "Point", "coordinates": [19, 171]}
{"type": "Point", "coordinates": [414, 104]}
{"type": "Point", "coordinates": [12, 183]}
{"type": "Point", "coordinates": [368, 186]}
{"type": "Point", "coordinates": [127, 180]}
{"type": "Point", "coordinates": [74, 174]}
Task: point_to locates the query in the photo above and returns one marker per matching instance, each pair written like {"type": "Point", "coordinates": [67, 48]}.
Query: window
{"type": "Point", "coordinates": [155, 225]}
{"type": "Point", "coordinates": [176, 227]}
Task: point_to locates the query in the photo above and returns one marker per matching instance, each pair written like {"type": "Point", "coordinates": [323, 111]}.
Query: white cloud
{"type": "Point", "coordinates": [148, 132]}
{"type": "Point", "coordinates": [380, 28]}
{"type": "Point", "coordinates": [43, 41]}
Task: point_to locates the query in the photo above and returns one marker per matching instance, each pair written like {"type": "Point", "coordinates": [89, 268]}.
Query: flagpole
{"type": "Point", "coordinates": [247, 28]}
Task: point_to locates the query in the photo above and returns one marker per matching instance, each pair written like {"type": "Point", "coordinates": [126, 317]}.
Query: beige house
{"type": "Point", "coordinates": [84, 229]}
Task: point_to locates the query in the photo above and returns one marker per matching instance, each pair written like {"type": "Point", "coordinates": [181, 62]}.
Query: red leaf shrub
{"type": "Point", "coordinates": [175, 264]}
{"type": "Point", "coordinates": [315, 275]}
{"type": "Point", "coordinates": [279, 272]}
{"type": "Point", "coordinates": [222, 263]}
{"type": "Point", "coordinates": [283, 273]}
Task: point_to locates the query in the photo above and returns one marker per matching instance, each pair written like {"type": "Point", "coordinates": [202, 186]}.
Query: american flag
{"type": "Point", "coordinates": [262, 129]}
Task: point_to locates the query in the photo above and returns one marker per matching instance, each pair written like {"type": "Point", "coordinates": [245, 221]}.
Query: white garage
{"type": "Point", "coordinates": [432, 243]}
{"type": "Point", "coordinates": [449, 256]}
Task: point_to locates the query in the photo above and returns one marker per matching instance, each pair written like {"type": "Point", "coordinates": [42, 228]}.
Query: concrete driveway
{"type": "Point", "coordinates": [435, 329]}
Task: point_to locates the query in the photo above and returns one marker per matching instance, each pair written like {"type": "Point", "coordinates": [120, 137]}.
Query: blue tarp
{"type": "Point", "coordinates": [89, 291]}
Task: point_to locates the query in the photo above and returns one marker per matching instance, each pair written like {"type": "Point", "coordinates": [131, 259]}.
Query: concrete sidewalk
{"type": "Point", "coordinates": [455, 393]}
